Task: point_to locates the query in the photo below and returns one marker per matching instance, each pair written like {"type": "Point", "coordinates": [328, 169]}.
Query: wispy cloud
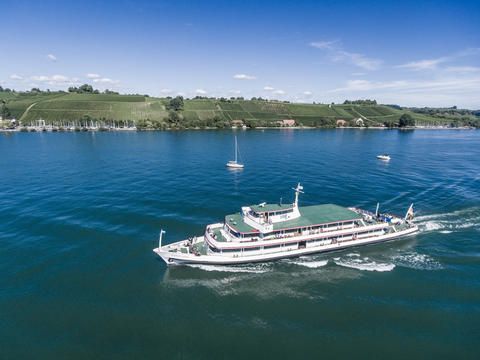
{"type": "Point", "coordinates": [51, 57]}
{"type": "Point", "coordinates": [93, 76]}
{"type": "Point", "coordinates": [433, 64]}
{"type": "Point", "coordinates": [16, 77]}
{"type": "Point", "coordinates": [236, 92]}
{"type": "Point", "coordinates": [244, 77]}
{"type": "Point", "coordinates": [427, 64]}
{"type": "Point", "coordinates": [55, 79]}
{"type": "Point", "coordinates": [457, 90]}
{"type": "Point", "coordinates": [166, 91]}
{"type": "Point", "coordinates": [279, 92]}
{"type": "Point", "coordinates": [307, 93]}
{"type": "Point", "coordinates": [268, 88]}
{"type": "Point", "coordinates": [105, 80]}
{"type": "Point", "coordinates": [323, 44]}
{"type": "Point", "coordinates": [200, 92]}
{"type": "Point", "coordinates": [463, 69]}
{"type": "Point", "coordinates": [337, 54]}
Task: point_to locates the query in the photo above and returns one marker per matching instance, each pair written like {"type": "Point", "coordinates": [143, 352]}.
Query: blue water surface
{"type": "Point", "coordinates": [80, 214]}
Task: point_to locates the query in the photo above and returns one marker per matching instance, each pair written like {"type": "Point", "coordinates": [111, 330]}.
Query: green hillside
{"type": "Point", "coordinates": [148, 112]}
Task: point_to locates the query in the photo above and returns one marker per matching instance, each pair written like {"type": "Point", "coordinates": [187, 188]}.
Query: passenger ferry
{"type": "Point", "coordinates": [267, 232]}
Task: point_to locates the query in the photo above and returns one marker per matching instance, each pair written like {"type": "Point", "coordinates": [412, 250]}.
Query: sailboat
{"type": "Point", "coordinates": [234, 163]}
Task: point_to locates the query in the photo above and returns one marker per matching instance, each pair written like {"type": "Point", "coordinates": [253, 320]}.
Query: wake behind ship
{"type": "Point", "coordinates": [267, 232]}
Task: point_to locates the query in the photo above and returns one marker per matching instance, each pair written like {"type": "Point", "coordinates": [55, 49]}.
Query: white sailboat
{"type": "Point", "coordinates": [234, 163]}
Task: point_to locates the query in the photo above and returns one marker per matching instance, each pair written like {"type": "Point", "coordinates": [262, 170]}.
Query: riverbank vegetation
{"type": "Point", "coordinates": [86, 105]}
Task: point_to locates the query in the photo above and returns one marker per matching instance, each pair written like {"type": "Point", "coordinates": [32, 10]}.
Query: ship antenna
{"type": "Point", "coordinates": [298, 190]}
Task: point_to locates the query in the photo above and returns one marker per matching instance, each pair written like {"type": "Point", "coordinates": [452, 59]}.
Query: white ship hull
{"type": "Point", "coordinates": [288, 251]}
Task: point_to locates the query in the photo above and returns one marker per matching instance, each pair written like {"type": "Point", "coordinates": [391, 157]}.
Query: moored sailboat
{"type": "Point", "coordinates": [234, 163]}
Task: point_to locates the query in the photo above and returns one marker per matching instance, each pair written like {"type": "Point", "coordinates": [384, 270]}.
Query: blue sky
{"type": "Point", "coordinates": [414, 53]}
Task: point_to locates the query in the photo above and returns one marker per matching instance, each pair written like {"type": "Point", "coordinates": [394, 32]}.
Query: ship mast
{"type": "Point", "coordinates": [235, 149]}
{"type": "Point", "coordinates": [298, 190]}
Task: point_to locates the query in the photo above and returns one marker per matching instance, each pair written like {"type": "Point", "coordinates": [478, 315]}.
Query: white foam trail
{"type": "Point", "coordinates": [473, 210]}
{"type": "Point", "coordinates": [451, 225]}
{"type": "Point", "coordinates": [446, 232]}
{"type": "Point", "coordinates": [366, 266]}
{"type": "Point", "coordinates": [413, 260]}
{"type": "Point", "coordinates": [232, 269]}
{"type": "Point", "coordinates": [431, 226]}
{"type": "Point", "coordinates": [311, 264]}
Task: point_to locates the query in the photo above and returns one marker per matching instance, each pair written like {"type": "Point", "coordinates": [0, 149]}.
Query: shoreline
{"type": "Point", "coordinates": [22, 130]}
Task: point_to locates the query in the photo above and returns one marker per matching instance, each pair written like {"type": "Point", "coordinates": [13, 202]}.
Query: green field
{"type": "Point", "coordinates": [61, 107]}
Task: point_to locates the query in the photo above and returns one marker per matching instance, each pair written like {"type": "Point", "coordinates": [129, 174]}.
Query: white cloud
{"type": "Point", "coordinates": [268, 88]}
{"type": "Point", "coordinates": [166, 91]}
{"type": "Point", "coordinates": [237, 92]}
{"type": "Point", "coordinates": [40, 78]}
{"type": "Point", "coordinates": [279, 92]}
{"type": "Point", "coordinates": [463, 69]}
{"type": "Point", "coordinates": [93, 76]}
{"type": "Point", "coordinates": [244, 77]}
{"type": "Point", "coordinates": [432, 64]}
{"type": "Point", "coordinates": [356, 59]}
{"type": "Point", "coordinates": [51, 57]}
{"type": "Point", "coordinates": [323, 44]}
{"type": "Point", "coordinates": [427, 64]}
{"type": "Point", "coordinates": [59, 78]}
{"type": "Point", "coordinates": [55, 80]}
{"type": "Point", "coordinates": [358, 74]}
{"type": "Point", "coordinates": [105, 81]}
{"type": "Point", "coordinates": [16, 77]}
{"type": "Point", "coordinates": [307, 93]}
{"type": "Point", "coordinates": [441, 91]}
{"type": "Point", "coordinates": [338, 54]}
{"type": "Point", "coordinates": [200, 92]}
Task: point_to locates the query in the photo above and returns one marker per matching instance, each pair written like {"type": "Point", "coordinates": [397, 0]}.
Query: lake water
{"type": "Point", "coordinates": [81, 212]}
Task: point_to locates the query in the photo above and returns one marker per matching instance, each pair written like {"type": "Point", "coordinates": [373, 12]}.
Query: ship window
{"type": "Point", "coordinates": [251, 249]}
{"type": "Point", "coordinates": [271, 247]}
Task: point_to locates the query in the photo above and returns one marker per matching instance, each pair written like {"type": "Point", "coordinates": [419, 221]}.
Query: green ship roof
{"type": "Point", "coordinates": [270, 207]}
{"type": "Point", "coordinates": [310, 215]}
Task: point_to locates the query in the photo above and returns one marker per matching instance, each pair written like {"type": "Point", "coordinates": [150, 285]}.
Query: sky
{"type": "Point", "coordinates": [411, 53]}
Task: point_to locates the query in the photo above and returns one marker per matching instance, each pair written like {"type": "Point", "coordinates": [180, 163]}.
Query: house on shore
{"type": "Point", "coordinates": [237, 123]}
{"type": "Point", "coordinates": [341, 123]}
{"type": "Point", "coordinates": [286, 123]}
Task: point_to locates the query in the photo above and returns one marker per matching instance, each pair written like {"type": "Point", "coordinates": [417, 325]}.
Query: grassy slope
{"type": "Point", "coordinates": [61, 106]}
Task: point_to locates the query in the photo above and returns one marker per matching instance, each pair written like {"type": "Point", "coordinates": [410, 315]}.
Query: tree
{"type": "Point", "coordinates": [176, 103]}
{"type": "Point", "coordinates": [406, 120]}
{"type": "Point", "coordinates": [85, 88]}
{"type": "Point", "coordinates": [174, 117]}
{"type": "Point", "coordinates": [4, 111]}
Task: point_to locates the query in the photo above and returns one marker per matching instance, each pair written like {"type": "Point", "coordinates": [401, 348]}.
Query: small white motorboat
{"type": "Point", "coordinates": [234, 163]}
{"type": "Point", "coordinates": [384, 157]}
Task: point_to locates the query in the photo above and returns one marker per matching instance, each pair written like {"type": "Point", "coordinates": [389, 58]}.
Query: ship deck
{"type": "Point", "coordinates": [310, 215]}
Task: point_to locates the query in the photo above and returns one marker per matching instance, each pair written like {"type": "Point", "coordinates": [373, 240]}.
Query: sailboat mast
{"type": "Point", "coordinates": [235, 149]}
